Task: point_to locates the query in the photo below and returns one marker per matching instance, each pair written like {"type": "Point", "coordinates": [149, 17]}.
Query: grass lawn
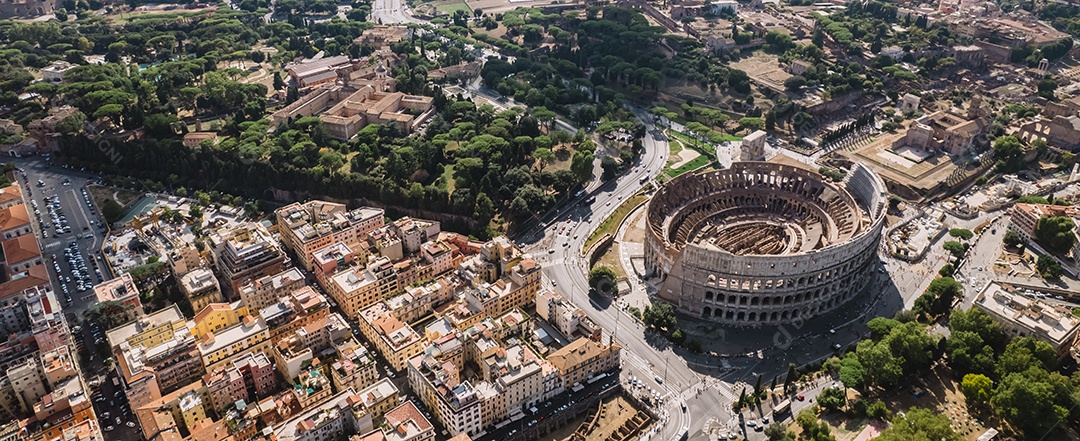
{"type": "Point", "coordinates": [448, 177]}
{"type": "Point", "coordinates": [450, 8]}
{"type": "Point", "coordinates": [674, 147]}
{"type": "Point", "coordinates": [694, 164]}
{"type": "Point", "coordinates": [612, 222]}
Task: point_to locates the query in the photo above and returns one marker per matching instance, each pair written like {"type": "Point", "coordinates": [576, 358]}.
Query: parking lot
{"type": "Point", "coordinates": [71, 232]}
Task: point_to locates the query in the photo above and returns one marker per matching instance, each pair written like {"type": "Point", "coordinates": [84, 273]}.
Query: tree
{"type": "Point", "coordinates": [882, 367]}
{"type": "Point", "coordinates": [111, 210]}
{"type": "Point", "coordinates": [678, 336]}
{"type": "Point", "coordinates": [777, 432]}
{"type": "Point", "coordinates": [1012, 239]}
{"type": "Point", "coordinates": [977, 388]}
{"type": "Point", "coordinates": [109, 314]}
{"type": "Point", "coordinates": [544, 156]}
{"type": "Point", "coordinates": [1009, 153]}
{"type": "Point", "coordinates": [602, 279]}
{"type": "Point", "coordinates": [955, 248]}
{"type": "Point", "coordinates": [1047, 86]}
{"type": "Point", "coordinates": [795, 83]}
{"type": "Point", "coordinates": [1055, 233]}
{"type": "Point", "coordinates": [1049, 267]}
{"type": "Point", "coordinates": [832, 398]}
{"type": "Point", "coordinates": [920, 424]}
{"type": "Point", "coordinates": [581, 165]}
{"type": "Point", "coordinates": [659, 315]}
{"type": "Point", "coordinates": [881, 327]}
{"type": "Point", "coordinates": [852, 373]}
{"type": "Point", "coordinates": [946, 270]}
{"type": "Point", "coordinates": [1028, 400]}
{"type": "Point", "coordinates": [752, 123]}
{"type": "Point", "coordinates": [878, 411]}
{"type": "Point", "coordinates": [789, 379]}
{"type": "Point", "coordinates": [961, 233]}
{"type": "Point", "coordinates": [1024, 352]}
{"type": "Point", "coordinates": [938, 297]}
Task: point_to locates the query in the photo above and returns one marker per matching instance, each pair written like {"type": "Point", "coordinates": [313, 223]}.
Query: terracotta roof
{"type": "Point", "coordinates": [10, 193]}
{"type": "Point", "coordinates": [20, 249]}
{"type": "Point", "coordinates": [405, 413]}
{"type": "Point", "coordinates": [576, 353]}
{"type": "Point", "coordinates": [13, 217]}
{"type": "Point", "coordinates": [35, 276]}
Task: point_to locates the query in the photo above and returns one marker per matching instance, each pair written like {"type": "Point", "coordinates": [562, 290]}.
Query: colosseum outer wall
{"type": "Point", "coordinates": [754, 290]}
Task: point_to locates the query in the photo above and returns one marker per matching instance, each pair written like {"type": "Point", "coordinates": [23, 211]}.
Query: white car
{"type": "Point", "coordinates": [130, 424]}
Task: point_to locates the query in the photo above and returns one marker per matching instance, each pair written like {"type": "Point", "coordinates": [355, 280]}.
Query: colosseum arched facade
{"type": "Point", "coordinates": [763, 243]}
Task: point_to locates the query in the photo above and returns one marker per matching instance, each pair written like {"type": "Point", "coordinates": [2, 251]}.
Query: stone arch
{"type": "Point", "coordinates": [707, 312]}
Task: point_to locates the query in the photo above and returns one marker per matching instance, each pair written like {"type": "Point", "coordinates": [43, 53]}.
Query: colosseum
{"type": "Point", "coordinates": [763, 243]}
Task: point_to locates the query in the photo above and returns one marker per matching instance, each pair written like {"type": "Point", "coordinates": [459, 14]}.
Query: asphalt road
{"type": "Point", "coordinates": [391, 12]}
{"type": "Point", "coordinates": [565, 270]}
{"type": "Point", "coordinates": [83, 221]}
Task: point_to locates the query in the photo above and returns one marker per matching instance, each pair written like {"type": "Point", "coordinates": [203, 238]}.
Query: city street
{"type": "Point", "coordinates": [87, 231]}
{"type": "Point", "coordinates": [391, 12]}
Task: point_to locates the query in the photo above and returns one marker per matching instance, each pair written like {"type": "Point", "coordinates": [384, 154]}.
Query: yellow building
{"type": "Point", "coordinates": [250, 335]}
{"type": "Point", "coordinates": [217, 316]}
{"type": "Point", "coordinates": [582, 358]}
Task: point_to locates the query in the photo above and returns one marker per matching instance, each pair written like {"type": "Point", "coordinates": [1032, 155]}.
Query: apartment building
{"type": "Point", "coordinates": [512, 377]}
{"type": "Point", "coordinates": [20, 253]}
{"type": "Point", "coordinates": [244, 253]}
{"type": "Point", "coordinates": [14, 222]}
{"type": "Point", "coordinates": [1021, 316]}
{"type": "Point", "coordinates": [121, 289]}
{"type": "Point", "coordinates": [414, 232]}
{"type": "Point", "coordinates": [379, 398]}
{"type": "Point", "coordinates": [515, 290]}
{"type": "Point", "coordinates": [455, 403]}
{"type": "Point", "coordinates": [314, 225]}
{"type": "Point", "coordinates": [177, 412]}
{"type": "Point", "coordinates": [294, 311]}
{"type": "Point", "coordinates": [250, 335]}
{"type": "Point", "coordinates": [224, 387]}
{"type": "Point", "coordinates": [25, 384]}
{"type": "Point", "coordinates": [257, 374]}
{"type": "Point", "coordinates": [21, 301]}
{"type": "Point", "coordinates": [341, 415]}
{"type": "Point", "coordinates": [217, 316]}
{"type": "Point", "coordinates": [292, 352]}
{"type": "Point", "coordinates": [354, 367]}
{"type": "Point", "coordinates": [570, 320]}
{"type": "Point", "coordinates": [201, 288]}
{"type": "Point", "coordinates": [440, 256]}
{"type": "Point", "coordinates": [356, 288]}
{"type": "Point", "coordinates": [268, 290]}
{"type": "Point", "coordinates": [159, 347]}
{"type": "Point", "coordinates": [11, 195]}
{"type": "Point", "coordinates": [327, 260]}
{"type": "Point", "coordinates": [1024, 219]}
{"type": "Point", "coordinates": [65, 413]}
{"type": "Point", "coordinates": [406, 423]}
{"type": "Point", "coordinates": [393, 338]}
{"type": "Point", "coordinates": [583, 358]}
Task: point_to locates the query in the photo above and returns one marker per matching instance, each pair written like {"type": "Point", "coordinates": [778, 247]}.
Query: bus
{"type": "Point", "coordinates": [596, 378]}
{"type": "Point", "coordinates": [783, 408]}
